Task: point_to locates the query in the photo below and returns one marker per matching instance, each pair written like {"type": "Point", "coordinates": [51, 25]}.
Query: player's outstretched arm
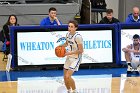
{"type": "Point", "coordinates": [129, 49]}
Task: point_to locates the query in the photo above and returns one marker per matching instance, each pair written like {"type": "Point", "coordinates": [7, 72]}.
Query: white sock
{"type": "Point", "coordinates": [138, 67]}
{"type": "Point", "coordinates": [74, 91]}
{"type": "Point", "coordinates": [129, 64]}
{"type": "Point", "coordinates": [69, 90]}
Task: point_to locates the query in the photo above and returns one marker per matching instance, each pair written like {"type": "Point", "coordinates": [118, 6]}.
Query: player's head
{"type": "Point", "coordinates": [136, 39]}
{"type": "Point", "coordinates": [109, 14]}
{"type": "Point", "coordinates": [52, 12]}
{"type": "Point", "coordinates": [72, 26]}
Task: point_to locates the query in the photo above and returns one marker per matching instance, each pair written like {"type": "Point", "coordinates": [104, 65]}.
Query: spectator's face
{"type": "Point", "coordinates": [109, 16]}
{"type": "Point", "coordinates": [12, 20]}
{"type": "Point", "coordinates": [52, 14]}
{"type": "Point", "coordinates": [136, 41]}
{"type": "Point", "coordinates": [135, 12]}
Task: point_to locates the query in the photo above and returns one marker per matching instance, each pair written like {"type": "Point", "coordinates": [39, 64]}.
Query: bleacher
{"type": "Point", "coordinates": [32, 13]}
{"type": "Point", "coordinates": [21, 1]}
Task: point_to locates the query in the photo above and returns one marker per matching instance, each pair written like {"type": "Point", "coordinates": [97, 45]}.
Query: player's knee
{"type": "Point", "coordinates": [127, 54]}
{"type": "Point", "coordinates": [66, 77]}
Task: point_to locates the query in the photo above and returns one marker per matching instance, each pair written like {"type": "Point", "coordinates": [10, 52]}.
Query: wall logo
{"type": "Point", "coordinates": [61, 40]}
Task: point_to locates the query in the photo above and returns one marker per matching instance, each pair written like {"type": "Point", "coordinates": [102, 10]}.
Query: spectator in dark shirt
{"type": "Point", "coordinates": [12, 21]}
{"type": "Point", "coordinates": [109, 19]}
{"type": "Point", "coordinates": [51, 19]}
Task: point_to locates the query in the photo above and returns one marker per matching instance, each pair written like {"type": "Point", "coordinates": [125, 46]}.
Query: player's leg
{"type": "Point", "coordinates": [135, 65]}
{"type": "Point", "coordinates": [74, 67]}
{"type": "Point", "coordinates": [138, 67]}
{"type": "Point", "coordinates": [128, 60]}
{"type": "Point", "coordinates": [72, 82]}
{"type": "Point", "coordinates": [69, 73]}
{"type": "Point", "coordinates": [67, 83]}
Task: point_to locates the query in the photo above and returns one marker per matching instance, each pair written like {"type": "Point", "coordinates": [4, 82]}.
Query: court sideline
{"type": "Point", "coordinates": [9, 84]}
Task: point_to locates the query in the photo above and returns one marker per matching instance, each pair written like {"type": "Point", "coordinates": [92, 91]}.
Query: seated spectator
{"type": "Point", "coordinates": [133, 17]}
{"type": "Point", "coordinates": [132, 55]}
{"type": "Point", "coordinates": [51, 19]}
{"type": "Point", "coordinates": [109, 19]}
{"type": "Point", "coordinates": [12, 21]}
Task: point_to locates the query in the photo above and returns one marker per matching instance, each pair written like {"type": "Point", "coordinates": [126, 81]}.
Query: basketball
{"type": "Point", "coordinates": [60, 51]}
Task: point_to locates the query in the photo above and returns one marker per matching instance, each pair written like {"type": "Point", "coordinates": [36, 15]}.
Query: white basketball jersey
{"type": "Point", "coordinates": [135, 57]}
{"type": "Point", "coordinates": [73, 41]}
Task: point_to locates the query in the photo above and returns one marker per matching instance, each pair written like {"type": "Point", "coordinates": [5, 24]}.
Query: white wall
{"type": "Point", "coordinates": [113, 4]}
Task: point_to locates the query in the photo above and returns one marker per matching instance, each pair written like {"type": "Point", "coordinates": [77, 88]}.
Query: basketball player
{"type": "Point", "coordinates": [132, 54]}
{"type": "Point", "coordinates": [74, 44]}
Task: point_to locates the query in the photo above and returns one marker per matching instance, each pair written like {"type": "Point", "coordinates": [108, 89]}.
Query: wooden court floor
{"type": "Point", "coordinates": [131, 84]}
